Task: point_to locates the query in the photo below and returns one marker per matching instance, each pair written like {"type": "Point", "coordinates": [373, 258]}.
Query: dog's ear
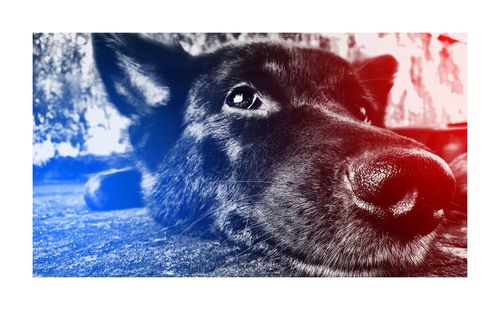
{"type": "Point", "coordinates": [139, 73]}
{"type": "Point", "coordinates": [377, 76]}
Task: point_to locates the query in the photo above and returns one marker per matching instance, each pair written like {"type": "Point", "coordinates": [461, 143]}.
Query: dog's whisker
{"type": "Point", "coordinates": [223, 222]}
{"type": "Point", "coordinates": [242, 181]}
{"type": "Point", "coordinates": [213, 211]}
{"type": "Point", "coordinates": [230, 238]}
{"type": "Point", "coordinates": [202, 217]}
{"type": "Point", "coordinates": [253, 246]}
{"type": "Point", "coordinates": [246, 250]}
{"type": "Point", "coordinates": [446, 220]}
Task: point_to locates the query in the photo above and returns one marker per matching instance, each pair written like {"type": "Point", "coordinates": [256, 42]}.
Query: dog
{"type": "Point", "coordinates": [276, 146]}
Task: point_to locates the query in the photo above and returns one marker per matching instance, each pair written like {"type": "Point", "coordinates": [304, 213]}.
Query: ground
{"type": "Point", "coordinates": [69, 240]}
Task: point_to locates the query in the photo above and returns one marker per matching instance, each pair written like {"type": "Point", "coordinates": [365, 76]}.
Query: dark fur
{"type": "Point", "coordinates": [277, 179]}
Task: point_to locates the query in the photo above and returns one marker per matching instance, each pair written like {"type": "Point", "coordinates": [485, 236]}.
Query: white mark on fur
{"type": "Point", "coordinates": [459, 252]}
{"type": "Point", "coordinates": [196, 131]}
{"type": "Point", "coordinates": [195, 111]}
{"type": "Point", "coordinates": [273, 67]}
{"type": "Point", "coordinates": [121, 89]}
{"type": "Point", "coordinates": [148, 182]}
{"type": "Point", "coordinates": [233, 149]}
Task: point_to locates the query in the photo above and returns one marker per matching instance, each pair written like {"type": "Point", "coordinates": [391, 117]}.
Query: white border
{"type": "Point", "coordinates": [20, 291]}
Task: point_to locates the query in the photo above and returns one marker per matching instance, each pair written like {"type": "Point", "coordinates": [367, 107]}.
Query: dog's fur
{"type": "Point", "coordinates": [276, 177]}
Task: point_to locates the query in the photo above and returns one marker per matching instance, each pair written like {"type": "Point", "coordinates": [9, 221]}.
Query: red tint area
{"type": "Point", "coordinates": [430, 86]}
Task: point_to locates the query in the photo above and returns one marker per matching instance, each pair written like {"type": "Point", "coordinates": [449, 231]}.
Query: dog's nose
{"type": "Point", "coordinates": [403, 190]}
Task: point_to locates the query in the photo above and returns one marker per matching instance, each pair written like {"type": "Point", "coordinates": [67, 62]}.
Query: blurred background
{"type": "Point", "coordinates": [76, 131]}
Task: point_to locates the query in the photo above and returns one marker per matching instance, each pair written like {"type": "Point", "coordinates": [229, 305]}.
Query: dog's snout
{"type": "Point", "coordinates": [404, 190]}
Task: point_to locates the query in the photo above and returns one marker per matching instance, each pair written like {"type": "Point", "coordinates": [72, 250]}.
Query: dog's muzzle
{"type": "Point", "coordinates": [402, 191]}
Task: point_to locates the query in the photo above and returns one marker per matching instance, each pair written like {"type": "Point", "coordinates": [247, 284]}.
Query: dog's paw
{"type": "Point", "coordinates": [114, 189]}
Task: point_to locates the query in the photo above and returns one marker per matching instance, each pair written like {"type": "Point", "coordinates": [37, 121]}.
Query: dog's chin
{"type": "Point", "coordinates": [311, 270]}
{"type": "Point", "coordinates": [375, 264]}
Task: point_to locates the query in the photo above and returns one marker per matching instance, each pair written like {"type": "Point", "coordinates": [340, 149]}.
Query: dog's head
{"type": "Point", "coordinates": [279, 146]}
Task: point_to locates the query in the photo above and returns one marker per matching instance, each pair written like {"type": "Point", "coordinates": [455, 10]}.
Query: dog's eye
{"type": "Point", "coordinates": [243, 97]}
{"type": "Point", "coordinates": [362, 114]}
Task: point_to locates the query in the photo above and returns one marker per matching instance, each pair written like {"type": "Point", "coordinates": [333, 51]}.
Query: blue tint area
{"type": "Point", "coordinates": [69, 240]}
